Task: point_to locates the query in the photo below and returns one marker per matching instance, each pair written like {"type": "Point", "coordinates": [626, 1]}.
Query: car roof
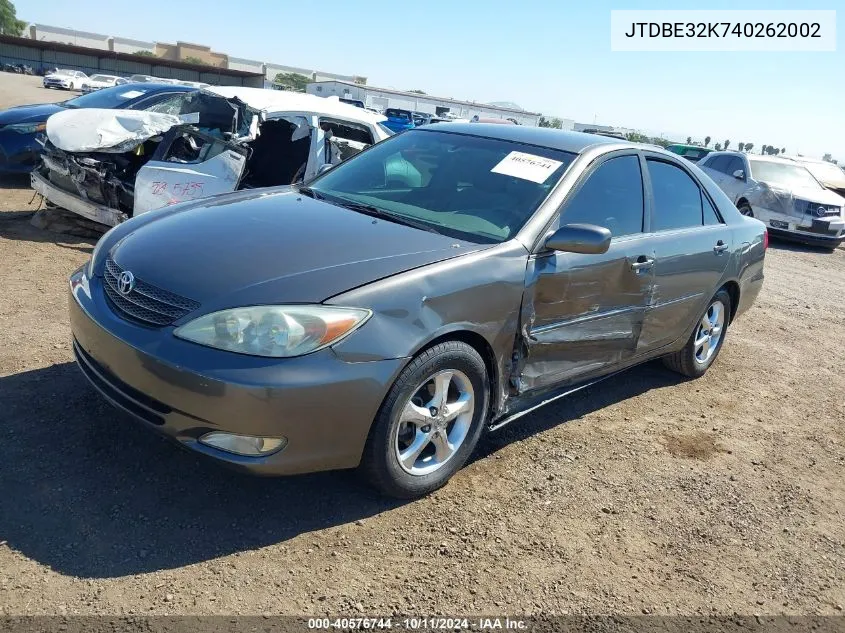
{"type": "Point", "coordinates": [685, 146]}
{"type": "Point", "coordinates": [566, 141]}
{"type": "Point", "coordinates": [148, 86]}
{"type": "Point", "coordinates": [272, 101]}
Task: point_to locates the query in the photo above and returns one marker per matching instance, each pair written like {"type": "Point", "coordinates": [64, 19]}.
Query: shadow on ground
{"type": "Point", "coordinates": [90, 493]}
{"type": "Point", "coordinates": [15, 225]}
{"type": "Point", "coordinates": [784, 244]}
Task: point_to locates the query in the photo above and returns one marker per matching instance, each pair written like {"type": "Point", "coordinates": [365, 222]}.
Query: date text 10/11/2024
{"type": "Point", "coordinates": [419, 624]}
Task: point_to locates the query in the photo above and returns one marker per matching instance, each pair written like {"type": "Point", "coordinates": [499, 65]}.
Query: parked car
{"type": "Point", "coordinates": [11, 68]}
{"type": "Point", "coordinates": [22, 126]}
{"type": "Point", "coordinates": [98, 82]}
{"type": "Point", "coordinates": [692, 153]}
{"type": "Point", "coordinates": [781, 193]}
{"type": "Point", "coordinates": [65, 79]}
{"type": "Point", "coordinates": [398, 120]}
{"type": "Point", "coordinates": [478, 119]}
{"type": "Point", "coordinates": [422, 118]}
{"type": "Point", "coordinates": [360, 321]}
{"type": "Point", "coordinates": [24, 69]}
{"type": "Point", "coordinates": [43, 71]}
{"type": "Point", "coordinates": [828, 174]}
{"type": "Point", "coordinates": [108, 165]}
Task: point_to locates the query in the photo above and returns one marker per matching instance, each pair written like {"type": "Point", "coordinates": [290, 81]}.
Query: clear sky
{"type": "Point", "coordinates": [548, 56]}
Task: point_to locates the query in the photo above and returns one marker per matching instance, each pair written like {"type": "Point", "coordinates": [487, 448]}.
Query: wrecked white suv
{"type": "Point", "coordinates": [108, 165]}
{"type": "Point", "coordinates": [782, 193]}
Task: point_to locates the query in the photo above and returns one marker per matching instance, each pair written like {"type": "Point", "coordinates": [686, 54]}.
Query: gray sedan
{"type": "Point", "coordinates": [438, 285]}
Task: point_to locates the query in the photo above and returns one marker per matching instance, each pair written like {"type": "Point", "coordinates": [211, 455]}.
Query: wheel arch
{"type": "Point", "coordinates": [732, 288]}
{"type": "Point", "coordinates": [475, 341]}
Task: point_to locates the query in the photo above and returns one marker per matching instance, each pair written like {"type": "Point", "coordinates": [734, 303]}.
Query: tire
{"type": "Point", "coordinates": [72, 86]}
{"type": "Point", "coordinates": [692, 360]}
{"type": "Point", "coordinates": [435, 440]}
{"type": "Point", "coordinates": [745, 209]}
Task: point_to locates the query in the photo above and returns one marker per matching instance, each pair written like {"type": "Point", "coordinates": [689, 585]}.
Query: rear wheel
{"type": "Point", "coordinates": [706, 340]}
{"type": "Point", "coordinates": [429, 423]}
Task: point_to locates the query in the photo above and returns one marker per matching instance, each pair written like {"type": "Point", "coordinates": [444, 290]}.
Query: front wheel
{"type": "Point", "coordinates": [706, 340]}
{"type": "Point", "coordinates": [745, 209]}
{"type": "Point", "coordinates": [429, 423]}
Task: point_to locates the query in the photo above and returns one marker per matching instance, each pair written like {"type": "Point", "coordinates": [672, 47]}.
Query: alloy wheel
{"type": "Point", "coordinates": [434, 422]}
{"type": "Point", "coordinates": [709, 332]}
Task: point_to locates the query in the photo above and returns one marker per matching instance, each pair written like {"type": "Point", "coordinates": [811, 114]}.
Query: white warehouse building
{"type": "Point", "coordinates": [381, 98]}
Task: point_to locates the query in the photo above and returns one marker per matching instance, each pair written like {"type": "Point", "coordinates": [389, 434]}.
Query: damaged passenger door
{"type": "Point", "coordinates": [583, 313]}
{"type": "Point", "coordinates": [188, 164]}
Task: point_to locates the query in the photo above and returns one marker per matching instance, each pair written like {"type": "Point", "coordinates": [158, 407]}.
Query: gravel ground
{"type": "Point", "coordinates": [646, 494]}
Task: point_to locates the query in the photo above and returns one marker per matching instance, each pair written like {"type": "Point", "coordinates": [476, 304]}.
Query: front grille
{"type": "Point", "coordinates": [145, 303]}
{"type": "Point", "coordinates": [816, 209]}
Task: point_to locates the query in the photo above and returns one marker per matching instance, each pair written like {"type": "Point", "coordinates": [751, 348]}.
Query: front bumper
{"type": "Point", "coordinates": [321, 404]}
{"type": "Point", "coordinates": [74, 203]}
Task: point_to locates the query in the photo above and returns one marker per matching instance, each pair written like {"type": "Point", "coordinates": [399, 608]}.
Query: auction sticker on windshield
{"type": "Point", "coordinates": [527, 166]}
{"type": "Point", "coordinates": [131, 94]}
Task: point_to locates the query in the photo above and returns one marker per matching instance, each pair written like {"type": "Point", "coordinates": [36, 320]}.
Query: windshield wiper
{"type": "Point", "coordinates": [368, 209]}
{"type": "Point", "coordinates": [308, 191]}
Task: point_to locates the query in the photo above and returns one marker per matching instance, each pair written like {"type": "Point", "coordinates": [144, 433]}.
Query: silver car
{"type": "Point", "coordinates": [782, 193]}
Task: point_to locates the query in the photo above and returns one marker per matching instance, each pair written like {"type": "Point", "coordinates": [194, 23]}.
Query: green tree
{"type": "Point", "coordinates": [193, 60]}
{"type": "Point", "coordinates": [9, 23]}
{"type": "Point", "coordinates": [725, 145]}
{"type": "Point", "coordinates": [763, 150]}
{"type": "Point", "coordinates": [293, 81]}
{"type": "Point", "coordinates": [718, 147]}
{"type": "Point", "coordinates": [689, 140]}
{"type": "Point", "coordinates": [828, 158]}
{"type": "Point", "coordinates": [417, 92]}
{"type": "Point", "coordinates": [783, 150]}
{"type": "Point", "coordinates": [144, 53]}
{"type": "Point", "coordinates": [706, 141]}
{"type": "Point", "coordinates": [553, 122]}
{"type": "Point", "coordinates": [749, 147]}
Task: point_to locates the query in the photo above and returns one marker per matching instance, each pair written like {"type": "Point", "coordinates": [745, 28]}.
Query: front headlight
{"type": "Point", "coordinates": [27, 128]}
{"type": "Point", "coordinates": [274, 331]}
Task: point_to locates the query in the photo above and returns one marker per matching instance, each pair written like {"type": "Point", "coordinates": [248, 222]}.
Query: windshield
{"type": "Point", "coordinates": [827, 173]}
{"type": "Point", "coordinates": [63, 71]}
{"type": "Point", "coordinates": [398, 114]}
{"type": "Point", "coordinates": [102, 78]}
{"type": "Point", "coordinates": [479, 189]}
{"type": "Point", "coordinates": [786, 175]}
{"type": "Point", "coordinates": [108, 98]}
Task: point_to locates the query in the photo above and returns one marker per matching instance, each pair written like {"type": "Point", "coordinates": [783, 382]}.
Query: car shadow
{"type": "Point", "coordinates": [785, 244]}
{"type": "Point", "coordinates": [623, 386]}
{"type": "Point", "coordinates": [87, 491]}
{"type": "Point", "coordinates": [15, 225]}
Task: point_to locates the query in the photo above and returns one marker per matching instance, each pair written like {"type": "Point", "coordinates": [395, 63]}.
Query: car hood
{"type": "Point", "coordinates": [813, 194]}
{"type": "Point", "coordinates": [273, 246]}
{"type": "Point", "coordinates": [58, 76]}
{"type": "Point", "coordinates": [29, 113]}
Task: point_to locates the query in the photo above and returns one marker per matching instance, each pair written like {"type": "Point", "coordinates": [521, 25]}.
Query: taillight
{"type": "Point", "coordinates": [765, 239]}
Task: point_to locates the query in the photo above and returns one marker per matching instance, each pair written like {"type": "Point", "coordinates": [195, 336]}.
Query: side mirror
{"type": "Point", "coordinates": [580, 238]}
{"type": "Point", "coordinates": [739, 174]}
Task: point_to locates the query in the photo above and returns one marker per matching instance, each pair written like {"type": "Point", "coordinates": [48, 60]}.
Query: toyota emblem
{"type": "Point", "coordinates": [125, 282]}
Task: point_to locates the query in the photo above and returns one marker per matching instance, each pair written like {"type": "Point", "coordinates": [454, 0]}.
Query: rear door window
{"type": "Point", "coordinates": [677, 197]}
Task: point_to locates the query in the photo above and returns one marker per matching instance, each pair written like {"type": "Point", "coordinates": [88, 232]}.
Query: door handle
{"type": "Point", "coordinates": [642, 263]}
{"type": "Point", "coordinates": [720, 247]}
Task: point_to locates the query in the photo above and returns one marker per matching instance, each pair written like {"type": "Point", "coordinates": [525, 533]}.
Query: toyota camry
{"type": "Point", "coordinates": [439, 285]}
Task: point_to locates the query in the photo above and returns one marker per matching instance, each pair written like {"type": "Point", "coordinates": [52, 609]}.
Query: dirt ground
{"type": "Point", "coordinates": [645, 494]}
